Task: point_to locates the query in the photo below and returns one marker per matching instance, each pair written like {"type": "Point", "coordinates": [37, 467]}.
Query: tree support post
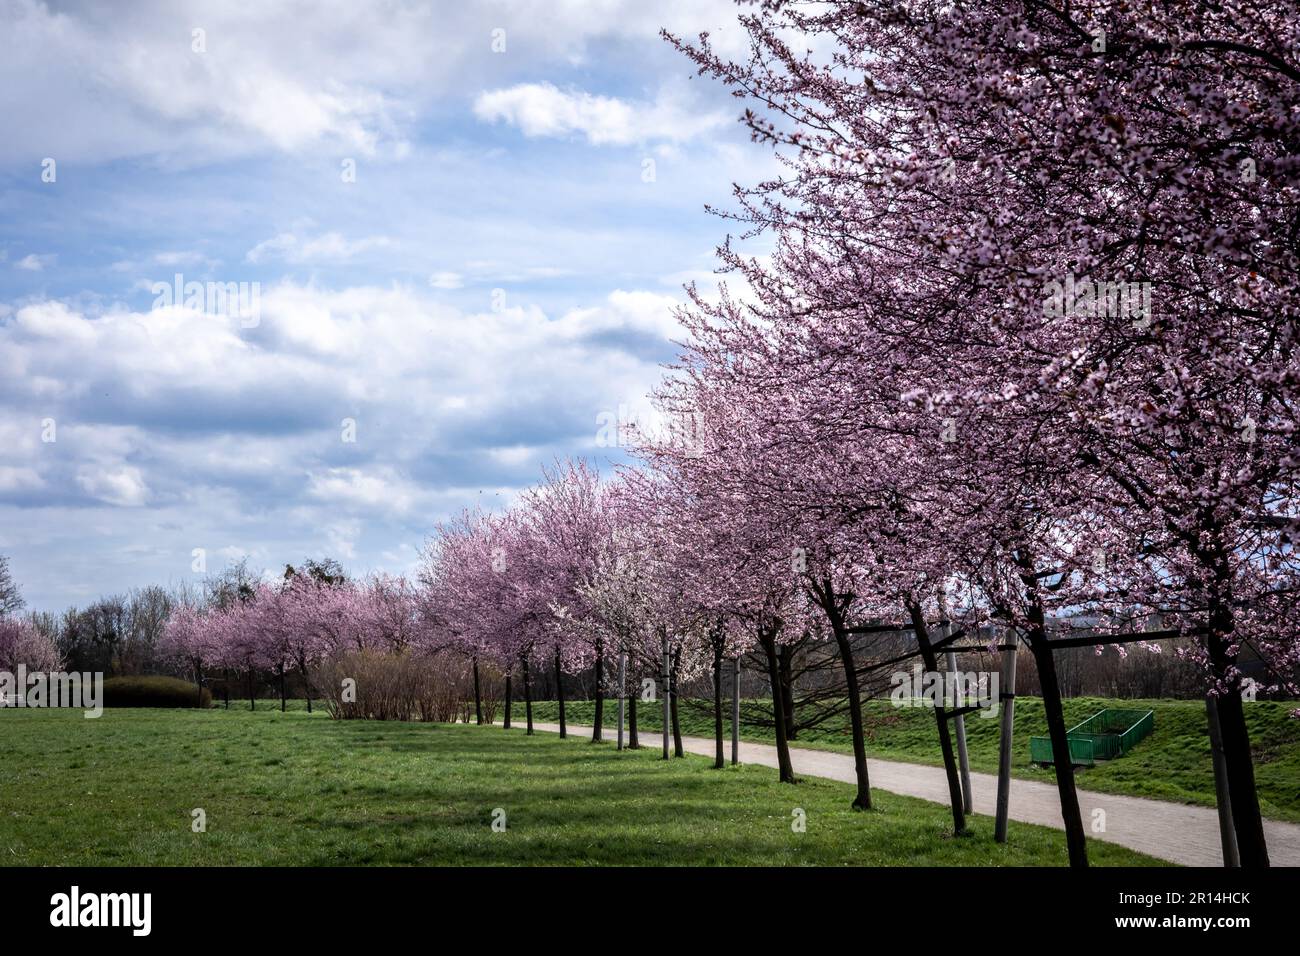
{"type": "Point", "coordinates": [559, 692]}
{"type": "Point", "coordinates": [1007, 696]}
{"type": "Point", "coordinates": [735, 713]}
{"type": "Point", "coordinates": [1222, 800]}
{"type": "Point", "coordinates": [963, 760]}
{"type": "Point", "coordinates": [667, 677]}
{"type": "Point", "coordinates": [478, 696]}
{"type": "Point", "coordinates": [622, 675]}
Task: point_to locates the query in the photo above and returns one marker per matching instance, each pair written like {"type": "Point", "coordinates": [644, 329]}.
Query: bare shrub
{"type": "Point", "coordinates": [372, 684]}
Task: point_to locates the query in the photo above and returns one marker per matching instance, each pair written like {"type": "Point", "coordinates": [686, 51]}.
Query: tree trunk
{"type": "Point", "coordinates": [785, 660]}
{"type": "Point", "coordinates": [528, 695]}
{"type": "Point", "coordinates": [719, 760]}
{"type": "Point", "coordinates": [478, 695]}
{"type": "Point", "coordinates": [862, 799]}
{"type": "Point", "coordinates": [225, 688]}
{"type": "Point", "coordinates": [1252, 850]}
{"type": "Point", "coordinates": [1247, 822]}
{"type": "Point", "coordinates": [598, 723]}
{"type": "Point", "coordinates": [1070, 813]}
{"type": "Point", "coordinates": [506, 722]}
{"type": "Point", "coordinates": [284, 704]}
{"type": "Point", "coordinates": [306, 683]}
{"type": "Point", "coordinates": [1049, 685]}
{"type": "Point", "coordinates": [198, 679]}
{"type": "Point", "coordinates": [678, 751]}
{"type": "Point", "coordinates": [251, 704]}
{"type": "Point", "coordinates": [632, 742]}
{"type": "Point", "coordinates": [931, 662]}
{"type": "Point", "coordinates": [559, 692]}
{"type": "Point", "coordinates": [786, 770]}
{"type": "Point", "coordinates": [1223, 801]}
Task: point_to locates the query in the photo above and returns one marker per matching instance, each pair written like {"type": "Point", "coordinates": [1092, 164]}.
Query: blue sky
{"type": "Point", "coordinates": [499, 273]}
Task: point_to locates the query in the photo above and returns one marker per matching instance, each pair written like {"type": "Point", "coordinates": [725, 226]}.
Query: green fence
{"type": "Point", "coordinates": [1105, 735]}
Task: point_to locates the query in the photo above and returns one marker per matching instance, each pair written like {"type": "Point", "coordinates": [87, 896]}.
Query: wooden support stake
{"type": "Point", "coordinates": [963, 759]}
{"type": "Point", "coordinates": [735, 713]}
{"type": "Point", "coordinates": [1227, 832]}
{"type": "Point", "coordinates": [1008, 702]}
{"type": "Point", "coordinates": [667, 678]}
{"type": "Point", "coordinates": [622, 674]}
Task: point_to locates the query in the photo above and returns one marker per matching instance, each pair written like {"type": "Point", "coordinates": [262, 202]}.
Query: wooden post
{"type": "Point", "coordinates": [1222, 800]}
{"type": "Point", "coordinates": [506, 723]}
{"type": "Point", "coordinates": [559, 692]}
{"type": "Point", "coordinates": [1007, 698]}
{"type": "Point", "coordinates": [622, 673]}
{"type": "Point", "coordinates": [667, 677]}
{"type": "Point", "coordinates": [478, 696]}
{"type": "Point", "coordinates": [963, 761]}
{"type": "Point", "coordinates": [735, 714]}
{"type": "Point", "coordinates": [528, 692]}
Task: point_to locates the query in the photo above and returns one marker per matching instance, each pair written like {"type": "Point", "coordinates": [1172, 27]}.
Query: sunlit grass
{"type": "Point", "coordinates": [286, 789]}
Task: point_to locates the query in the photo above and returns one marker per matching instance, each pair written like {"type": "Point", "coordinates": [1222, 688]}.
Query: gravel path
{"type": "Point", "coordinates": [1175, 832]}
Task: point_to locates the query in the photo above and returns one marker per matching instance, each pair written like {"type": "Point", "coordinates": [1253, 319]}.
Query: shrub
{"type": "Point", "coordinates": [153, 692]}
{"type": "Point", "coordinates": [394, 686]}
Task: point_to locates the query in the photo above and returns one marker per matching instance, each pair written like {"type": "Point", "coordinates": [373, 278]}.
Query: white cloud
{"type": "Point", "coordinates": [177, 258]}
{"type": "Point", "coordinates": [121, 485]}
{"type": "Point", "coordinates": [445, 280]}
{"type": "Point", "coordinates": [493, 271]}
{"type": "Point", "coordinates": [542, 109]}
{"type": "Point", "coordinates": [514, 454]}
{"type": "Point", "coordinates": [175, 408]}
{"type": "Point", "coordinates": [328, 247]}
{"type": "Point", "coordinates": [53, 320]}
{"type": "Point", "coordinates": [342, 538]}
{"type": "Point", "coordinates": [19, 479]}
{"type": "Point", "coordinates": [33, 262]}
{"type": "Point", "coordinates": [646, 313]}
{"type": "Point", "coordinates": [381, 490]}
{"type": "Point", "coordinates": [103, 81]}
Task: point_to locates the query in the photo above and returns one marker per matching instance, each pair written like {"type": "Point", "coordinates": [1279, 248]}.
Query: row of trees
{"type": "Point", "coordinates": [312, 616]}
{"type": "Point", "coordinates": [1023, 352]}
{"type": "Point", "coordinates": [309, 631]}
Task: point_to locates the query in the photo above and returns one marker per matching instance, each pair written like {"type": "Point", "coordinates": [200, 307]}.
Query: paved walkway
{"type": "Point", "coordinates": [1170, 831]}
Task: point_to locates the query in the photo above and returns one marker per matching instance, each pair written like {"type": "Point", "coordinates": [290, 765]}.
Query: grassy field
{"type": "Point", "coordinates": [287, 789]}
{"type": "Point", "coordinates": [1172, 764]}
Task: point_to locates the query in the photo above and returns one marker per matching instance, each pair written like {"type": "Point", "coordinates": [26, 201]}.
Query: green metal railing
{"type": "Point", "coordinates": [1105, 735]}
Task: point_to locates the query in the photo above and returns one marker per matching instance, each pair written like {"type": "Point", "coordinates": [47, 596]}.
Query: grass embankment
{"type": "Point", "coordinates": [284, 789]}
{"type": "Point", "coordinates": [1172, 764]}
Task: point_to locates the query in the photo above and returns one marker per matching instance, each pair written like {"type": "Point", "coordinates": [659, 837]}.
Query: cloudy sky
{"type": "Point", "coordinates": [468, 224]}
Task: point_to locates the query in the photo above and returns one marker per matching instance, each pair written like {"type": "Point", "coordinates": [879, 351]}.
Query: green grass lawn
{"type": "Point", "coordinates": [287, 789]}
{"type": "Point", "coordinates": [1172, 764]}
